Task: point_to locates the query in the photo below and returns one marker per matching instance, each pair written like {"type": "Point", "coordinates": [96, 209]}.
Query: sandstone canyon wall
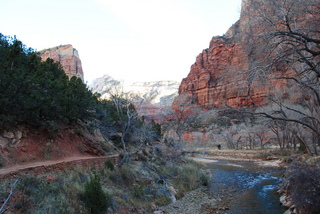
{"type": "Point", "coordinates": [219, 78]}
{"type": "Point", "coordinates": [68, 58]}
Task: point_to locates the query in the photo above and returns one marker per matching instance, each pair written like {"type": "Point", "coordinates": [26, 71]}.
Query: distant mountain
{"type": "Point", "coordinates": [158, 96]}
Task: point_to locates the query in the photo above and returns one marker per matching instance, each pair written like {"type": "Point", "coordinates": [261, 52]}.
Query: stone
{"type": "Point", "coordinates": [3, 141]}
{"type": "Point", "coordinates": [17, 137]}
{"type": "Point", "coordinates": [98, 135]}
{"type": "Point", "coordinates": [153, 206]}
{"type": "Point", "coordinates": [7, 134]}
{"type": "Point", "coordinates": [50, 178]}
{"type": "Point", "coordinates": [23, 149]}
{"type": "Point", "coordinates": [18, 134]}
{"type": "Point", "coordinates": [219, 78]}
{"type": "Point", "coordinates": [172, 190]}
{"type": "Point", "coordinates": [68, 58]}
{"type": "Point", "coordinates": [144, 181]}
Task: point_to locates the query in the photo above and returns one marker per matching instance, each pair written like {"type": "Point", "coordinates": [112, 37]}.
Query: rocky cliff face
{"type": "Point", "coordinates": [67, 56]}
{"type": "Point", "coordinates": [158, 96]}
{"type": "Point", "coordinates": [220, 77]}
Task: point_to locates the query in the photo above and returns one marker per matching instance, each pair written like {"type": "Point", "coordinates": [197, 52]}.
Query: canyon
{"type": "Point", "coordinates": [221, 77]}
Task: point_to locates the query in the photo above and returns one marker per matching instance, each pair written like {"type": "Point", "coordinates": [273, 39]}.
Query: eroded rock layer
{"type": "Point", "coordinates": [220, 77]}
{"type": "Point", "coordinates": [68, 58]}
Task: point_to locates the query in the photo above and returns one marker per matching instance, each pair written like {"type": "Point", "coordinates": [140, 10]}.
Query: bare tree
{"type": "Point", "coordinates": [287, 41]}
{"type": "Point", "coordinates": [182, 116]}
{"type": "Point", "coordinates": [127, 116]}
{"type": "Point", "coordinates": [6, 206]}
{"type": "Point", "coordinates": [261, 138]}
{"type": "Point", "coordinates": [232, 139]}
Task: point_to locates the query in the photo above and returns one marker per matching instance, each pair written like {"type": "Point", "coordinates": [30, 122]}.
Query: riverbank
{"type": "Point", "coordinates": [204, 200]}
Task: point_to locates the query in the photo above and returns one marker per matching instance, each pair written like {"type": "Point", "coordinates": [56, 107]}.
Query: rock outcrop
{"type": "Point", "coordinates": [26, 144]}
{"type": "Point", "coordinates": [220, 77]}
{"type": "Point", "coordinates": [68, 58]}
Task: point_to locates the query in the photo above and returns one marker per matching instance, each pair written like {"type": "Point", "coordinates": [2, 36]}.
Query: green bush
{"type": "Point", "coordinates": [2, 162]}
{"type": "Point", "coordinates": [189, 176]}
{"type": "Point", "coordinates": [79, 132]}
{"type": "Point", "coordinates": [109, 165]}
{"type": "Point", "coordinates": [95, 199]}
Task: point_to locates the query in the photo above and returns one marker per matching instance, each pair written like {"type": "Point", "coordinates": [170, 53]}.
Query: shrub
{"type": "Point", "coordinates": [162, 200]}
{"type": "Point", "coordinates": [95, 199]}
{"type": "Point", "coordinates": [188, 175]}
{"type": "Point", "coordinates": [303, 185]}
{"type": "Point", "coordinates": [2, 162]}
{"type": "Point", "coordinates": [109, 165]}
{"type": "Point", "coordinates": [79, 132]}
{"type": "Point", "coordinates": [33, 188]}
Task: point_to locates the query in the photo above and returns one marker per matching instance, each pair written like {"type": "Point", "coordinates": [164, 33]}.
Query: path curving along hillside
{"type": "Point", "coordinates": [55, 165]}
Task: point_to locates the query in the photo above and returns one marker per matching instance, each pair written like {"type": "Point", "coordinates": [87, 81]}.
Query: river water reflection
{"type": "Point", "coordinates": [248, 188]}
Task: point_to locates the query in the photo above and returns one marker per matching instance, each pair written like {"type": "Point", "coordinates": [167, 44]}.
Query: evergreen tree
{"type": "Point", "coordinates": [37, 93]}
{"type": "Point", "coordinates": [95, 198]}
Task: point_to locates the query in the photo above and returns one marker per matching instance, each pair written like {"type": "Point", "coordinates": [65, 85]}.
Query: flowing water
{"type": "Point", "coordinates": [247, 188]}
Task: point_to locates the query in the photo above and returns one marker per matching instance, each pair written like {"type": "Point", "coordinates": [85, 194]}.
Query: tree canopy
{"type": "Point", "coordinates": [287, 35]}
{"type": "Point", "coordinates": [38, 92]}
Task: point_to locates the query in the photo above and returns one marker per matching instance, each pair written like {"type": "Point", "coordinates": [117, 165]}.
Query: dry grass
{"type": "Point", "coordinates": [133, 186]}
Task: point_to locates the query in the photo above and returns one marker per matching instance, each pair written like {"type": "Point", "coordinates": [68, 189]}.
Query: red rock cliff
{"type": "Point", "coordinates": [219, 77]}
{"type": "Point", "coordinates": [67, 56]}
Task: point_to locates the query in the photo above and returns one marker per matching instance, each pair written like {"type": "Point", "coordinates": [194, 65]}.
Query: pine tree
{"type": "Point", "coordinates": [95, 198]}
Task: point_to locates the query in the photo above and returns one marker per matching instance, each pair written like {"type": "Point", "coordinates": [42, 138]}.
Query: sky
{"type": "Point", "coordinates": [130, 40]}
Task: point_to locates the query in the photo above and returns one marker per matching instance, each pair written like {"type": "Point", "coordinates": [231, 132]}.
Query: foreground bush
{"type": "Point", "coordinates": [95, 199]}
{"type": "Point", "coordinates": [302, 183]}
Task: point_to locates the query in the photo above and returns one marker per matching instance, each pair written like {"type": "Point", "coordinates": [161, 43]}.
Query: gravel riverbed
{"type": "Point", "coordinates": [197, 201]}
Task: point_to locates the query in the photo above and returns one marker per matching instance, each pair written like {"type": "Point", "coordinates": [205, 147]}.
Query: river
{"type": "Point", "coordinates": [245, 187]}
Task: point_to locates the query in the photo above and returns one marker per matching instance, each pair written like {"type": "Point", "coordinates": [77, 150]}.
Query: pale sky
{"type": "Point", "coordinates": [130, 40]}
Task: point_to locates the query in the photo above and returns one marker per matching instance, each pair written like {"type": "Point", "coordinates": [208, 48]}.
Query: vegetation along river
{"type": "Point", "coordinates": [245, 188]}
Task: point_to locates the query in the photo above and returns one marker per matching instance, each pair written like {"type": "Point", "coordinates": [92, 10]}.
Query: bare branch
{"type": "Point", "coordinates": [3, 208]}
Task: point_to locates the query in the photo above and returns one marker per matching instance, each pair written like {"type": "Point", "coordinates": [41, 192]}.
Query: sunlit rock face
{"type": "Point", "coordinates": [219, 78]}
{"type": "Point", "coordinates": [215, 79]}
{"type": "Point", "coordinates": [68, 58]}
{"type": "Point", "coordinates": [156, 97]}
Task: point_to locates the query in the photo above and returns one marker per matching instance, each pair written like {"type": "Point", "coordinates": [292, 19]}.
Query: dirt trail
{"type": "Point", "coordinates": [50, 164]}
